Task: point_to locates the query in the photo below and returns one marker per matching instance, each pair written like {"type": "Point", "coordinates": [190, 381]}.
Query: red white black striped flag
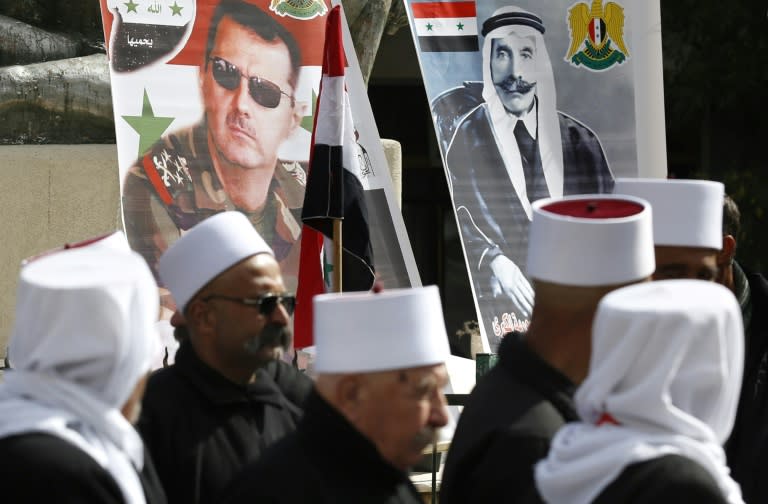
{"type": "Point", "coordinates": [445, 26]}
{"type": "Point", "coordinates": [333, 191]}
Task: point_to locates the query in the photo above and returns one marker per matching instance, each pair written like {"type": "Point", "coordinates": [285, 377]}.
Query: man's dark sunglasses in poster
{"type": "Point", "coordinates": [263, 92]}
{"type": "Point", "coordinates": [266, 303]}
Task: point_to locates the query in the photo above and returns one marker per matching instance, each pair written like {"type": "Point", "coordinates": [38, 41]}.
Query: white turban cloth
{"type": "Point", "coordinates": [666, 366]}
{"type": "Point", "coordinates": [83, 337]}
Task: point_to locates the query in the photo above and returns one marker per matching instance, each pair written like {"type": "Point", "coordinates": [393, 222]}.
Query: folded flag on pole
{"type": "Point", "coordinates": [445, 26]}
{"type": "Point", "coordinates": [333, 191]}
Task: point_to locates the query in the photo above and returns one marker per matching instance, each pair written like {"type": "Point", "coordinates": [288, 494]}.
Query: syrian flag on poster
{"type": "Point", "coordinates": [333, 192]}
{"type": "Point", "coordinates": [446, 26]}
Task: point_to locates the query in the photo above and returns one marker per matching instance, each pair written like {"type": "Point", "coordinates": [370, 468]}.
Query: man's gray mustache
{"type": "Point", "coordinates": [512, 85]}
{"type": "Point", "coordinates": [426, 437]}
{"type": "Point", "coordinates": [272, 336]}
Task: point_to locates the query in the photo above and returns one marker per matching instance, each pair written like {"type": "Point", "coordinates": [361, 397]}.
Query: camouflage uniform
{"type": "Point", "coordinates": [174, 186]}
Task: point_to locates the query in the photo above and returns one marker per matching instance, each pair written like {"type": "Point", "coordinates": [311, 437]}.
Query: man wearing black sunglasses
{"type": "Point", "coordinates": [227, 396]}
{"type": "Point", "coordinates": [228, 161]}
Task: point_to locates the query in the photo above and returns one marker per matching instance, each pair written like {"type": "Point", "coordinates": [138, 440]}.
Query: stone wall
{"type": "Point", "coordinates": [52, 194]}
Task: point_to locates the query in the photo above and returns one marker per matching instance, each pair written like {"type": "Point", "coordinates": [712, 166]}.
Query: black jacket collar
{"type": "Point", "coordinates": [217, 389]}
{"type": "Point", "coordinates": [325, 431]}
{"type": "Point", "coordinates": [518, 359]}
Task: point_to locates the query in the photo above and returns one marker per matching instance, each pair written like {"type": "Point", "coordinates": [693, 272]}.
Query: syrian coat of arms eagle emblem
{"type": "Point", "coordinates": [298, 9]}
{"type": "Point", "coordinates": [597, 35]}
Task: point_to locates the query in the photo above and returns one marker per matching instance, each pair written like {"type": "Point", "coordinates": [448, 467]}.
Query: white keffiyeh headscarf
{"type": "Point", "coordinates": [666, 370]}
{"type": "Point", "coordinates": [504, 122]}
{"type": "Point", "coordinates": [83, 337]}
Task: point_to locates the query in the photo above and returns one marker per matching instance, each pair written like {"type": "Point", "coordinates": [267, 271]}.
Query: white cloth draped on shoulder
{"type": "Point", "coordinates": [665, 372]}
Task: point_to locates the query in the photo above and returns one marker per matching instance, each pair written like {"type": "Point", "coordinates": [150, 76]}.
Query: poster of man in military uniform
{"type": "Point", "coordinates": [214, 104]}
{"type": "Point", "coordinates": [534, 99]}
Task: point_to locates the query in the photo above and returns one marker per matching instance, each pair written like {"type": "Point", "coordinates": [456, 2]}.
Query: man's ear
{"type": "Point", "coordinates": [348, 393]}
{"type": "Point", "coordinates": [200, 315]}
{"type": "Point", "coordinates": [299, 112]}
{"type": "Point", "coordinates": [728, 252]}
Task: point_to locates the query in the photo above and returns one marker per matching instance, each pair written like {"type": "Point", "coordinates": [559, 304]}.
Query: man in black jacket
{"type": "Point", "coordinates": [377, 405]}
{"type": "Point", "coordinates": [227, 397]}
{"type": "Point", "coordinates": [747, 448]}
{"type": "Point", "coordinates": [515, 410]}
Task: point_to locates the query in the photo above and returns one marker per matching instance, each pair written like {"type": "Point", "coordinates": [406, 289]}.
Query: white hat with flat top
{"type": "Point", "coordinates": [686, 213]}
{"type": "Point", "coordinates": [393, 329]}
{"type": "Point", "coordinates": [591, 240]}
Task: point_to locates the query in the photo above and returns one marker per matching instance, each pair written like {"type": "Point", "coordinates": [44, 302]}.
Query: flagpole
{"type": "Point", "coordinates": [337, 248]}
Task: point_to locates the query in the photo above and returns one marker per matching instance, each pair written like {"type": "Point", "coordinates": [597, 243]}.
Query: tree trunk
{"type": "Point", "coordinates": [62, 101]}
{"type": "Point", "coordinates": [21, 43]}
{"type": "Point", "coordinates": [367, 31]}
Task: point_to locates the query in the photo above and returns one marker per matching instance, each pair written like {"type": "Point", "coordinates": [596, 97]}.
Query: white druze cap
{"type": "Point", "coordinates": [207, 250]}
{"type": "Point", "coordinates": [590, 240]}
{"type": "Point", "coordinates": [687, 213]}
{"type": "Point", "coordinates": [393, 329]}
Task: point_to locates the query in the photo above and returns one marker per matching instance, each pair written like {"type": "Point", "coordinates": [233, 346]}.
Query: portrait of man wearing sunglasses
{"type": "Point", "coordinates": [229, 160]}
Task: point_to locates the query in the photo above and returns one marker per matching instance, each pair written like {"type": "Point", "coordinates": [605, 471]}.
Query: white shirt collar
{"type": "Point", "coordinates": [529, 120]}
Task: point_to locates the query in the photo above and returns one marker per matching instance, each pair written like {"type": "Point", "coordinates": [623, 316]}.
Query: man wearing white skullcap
{"type": "Point", "coordinates": [81, 348]}
{"type": "Point", "coordinates": [508, 146]}
{"type": "Point", "coordinates": [687, 224]}
{"type": "Point", "coordinates": [659, 401]}
{"type": "Point", "coordinates": [378, 403]}
{"type": "Point", "coordinates": [580, 248]}
{"type": "Point", "coordinates": [227, 396]}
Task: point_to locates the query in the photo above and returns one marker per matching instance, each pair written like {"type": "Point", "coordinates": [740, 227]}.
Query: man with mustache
{"type": "Point", "coordinates": [228, 161]}
{"type": "Point", "coordinates": [227, 396]}
{"type": "Point", "coordinates": [507, 146]}
{"type": "Point", "coordinates": [377, 404]}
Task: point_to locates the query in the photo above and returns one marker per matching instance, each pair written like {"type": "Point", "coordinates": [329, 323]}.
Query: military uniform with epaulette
{"type": "Point", "coordinates": [174, 185]}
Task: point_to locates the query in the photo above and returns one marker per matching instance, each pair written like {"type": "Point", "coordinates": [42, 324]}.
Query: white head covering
{"type": "Point", "coordinates": [666, 365]}
{"type": "Point", "coordinates": [505, 21]}
{"type": "Point", "coordinates": [392, 329]}
{"type": "Point", "coordinates": [206, 251]}
{"type": "Point", "coordinates": [687, 213]}
{"type": "Point", "coordinates": [591, 240]}
{"type": "Point", "coordinates": [83, 337]}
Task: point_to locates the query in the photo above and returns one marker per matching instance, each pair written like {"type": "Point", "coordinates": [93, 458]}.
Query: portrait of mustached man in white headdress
{"type": "Point", "coordinates": [507, 147]}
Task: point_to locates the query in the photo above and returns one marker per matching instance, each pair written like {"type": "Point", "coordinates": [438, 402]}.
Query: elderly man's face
{"type": "Point", "coordinates": [244, 337]}
{"type": "Point", "coordinates": [402, 411]}
{"type": "Point", "coordinates": [513, 70]}
{"type": "Point", "coordinates": [242, 131]}
{"type": "Point", "coordinates": [685, 262]}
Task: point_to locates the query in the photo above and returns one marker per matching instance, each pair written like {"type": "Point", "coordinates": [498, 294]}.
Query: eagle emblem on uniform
{"type": "Point", "coordinates": [298, 9]}
{"type": "Point", "coordinates": [597, 35]}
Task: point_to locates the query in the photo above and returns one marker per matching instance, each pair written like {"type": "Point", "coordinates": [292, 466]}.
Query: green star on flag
{"type": "Point", "coordinates": [149, 127]}
{"type": "Point", "coordinates": [131, 6]}
{"type": "Point", "coordinates": [460, 26]}
{"type": "Point", "coordinates": [429, 26]}
{"type": "Point", "coordinates": [176, 8]}
{"type": "Point", "coordinates": [308, 121]}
